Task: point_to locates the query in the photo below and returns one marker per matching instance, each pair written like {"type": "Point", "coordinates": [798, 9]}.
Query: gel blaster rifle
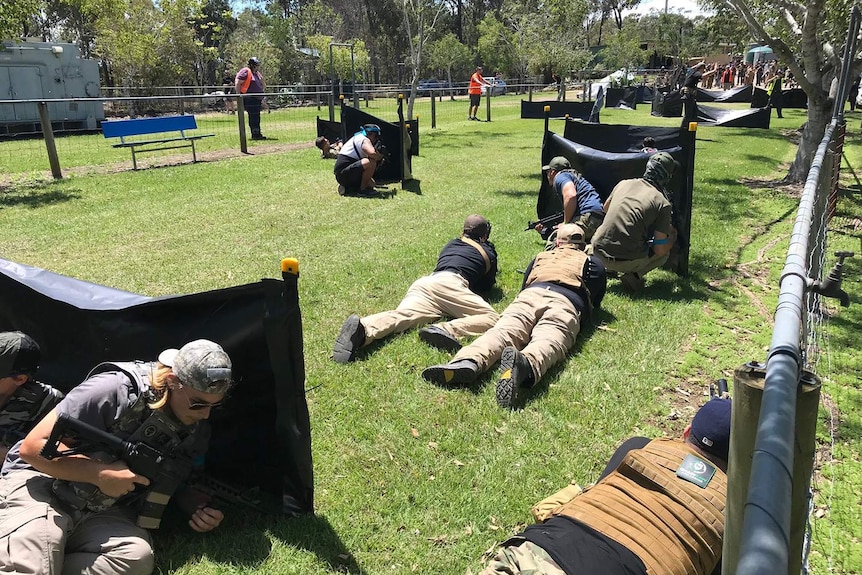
{"type": "Point", "coordinates": [165, 472]}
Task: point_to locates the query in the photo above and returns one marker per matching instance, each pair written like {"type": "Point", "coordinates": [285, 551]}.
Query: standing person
{"type": "Point", "coordinates": [249, 82]}
{"type": "Point", "coordinates": [86, 513]}
{"type": "Point", "coordinates": [852, 93]}
{"type": "Point", "coordinates": [776, 95]}
{"type": "Point", "coordinates": [636, 235]}
{"type": "Point", "coordinates": [466, 267]}
{"type": "Point", "coordinates": [475, 92]}
{"type": "Point", "coordinates": [228, 87]}
{"type": "Point", "coordinates": [539, 327]}
{"type": "Point", "coordinates": [581, 202]}
{"type": "Point", "coordinates": [357, 161]}
{"type": "Point", "coordinates": [657, 509]}
{"type": "Point", "coordinates": [689, 91]}
{"type": "Point", "coordinates": [23, 400]}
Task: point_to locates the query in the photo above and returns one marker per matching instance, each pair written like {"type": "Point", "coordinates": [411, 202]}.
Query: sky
{"type": "Point", "coordinates": [686, 7]}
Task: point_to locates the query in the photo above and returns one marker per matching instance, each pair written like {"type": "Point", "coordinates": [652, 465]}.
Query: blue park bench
{"type": "Point", "coordinates": [175, 125]}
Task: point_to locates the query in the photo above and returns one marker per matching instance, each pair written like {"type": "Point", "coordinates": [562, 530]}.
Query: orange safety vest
{"type": "Point", "coordinates": [247, 82]}
{"type": "Point", "coordinates": [475, 84]}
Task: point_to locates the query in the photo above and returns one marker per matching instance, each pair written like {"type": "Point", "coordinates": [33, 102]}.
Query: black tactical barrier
{"type": "Point", "coordinates": [330, 130]}
{"type": "Point", "coordinates": [617, 97]}
{"type": "Point", "coordinates": [744, 118]}
{"type": "Point", "coordinates": [607, 154]}
{"type": "Point", "coordinates": [397, 138]}
{"type": "Point", "coordinates": [667, 104]}
{"type": "Point", "coordinates": [735, 95]}
{"type": "Point", "coordinates": [262, 437]}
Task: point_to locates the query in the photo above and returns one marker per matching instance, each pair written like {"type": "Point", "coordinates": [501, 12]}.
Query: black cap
{"type": "Point", "coordinates": [710, 427]}
{"type": "Point", "coordinates": [19, 353]}
{"type": "Point", "coordinates": [254, 61]}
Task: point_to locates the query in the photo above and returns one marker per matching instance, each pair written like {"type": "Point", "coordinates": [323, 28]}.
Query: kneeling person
{"type": "Point", "coordinates": [537, 329]}
{"type": "Point", "coordinates": [357, 161]}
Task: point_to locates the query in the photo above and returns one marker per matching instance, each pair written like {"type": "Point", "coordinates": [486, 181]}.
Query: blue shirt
{"type": "Point", "coordinates": [588, 198]}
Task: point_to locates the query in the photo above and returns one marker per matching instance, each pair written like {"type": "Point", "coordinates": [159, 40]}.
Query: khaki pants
{"type": "Point", "coordinates": [541, 323]}
{"type": "Point", "coordinates": [430, 298]}
{"type": "Point", "coordinates": [524, 558]}
{"type": "Point", "coordinates": [38, 536]}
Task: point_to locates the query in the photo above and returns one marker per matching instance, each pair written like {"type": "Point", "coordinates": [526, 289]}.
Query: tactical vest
{"type": "Point", "coordinates": [138, 423]}
{"type": "Point", "coordinates": [674, 526]}
{"type": "Point", "coordinates": [563, 265]}
{"type": "Point", "coordinates": [25, 408]}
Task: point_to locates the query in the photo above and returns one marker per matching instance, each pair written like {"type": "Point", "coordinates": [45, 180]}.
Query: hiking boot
{"type": "Point", "coordinates": [436, 336]}
{"type": "Point", "coordinates": [258, 137]}
{"type": "Point", "coordinates": [515, 372]}
{"type": "Point", "coordinates": [461, 371]}
{"type": "Point", "coordinates": [632, 282]}
{"type": "Point", "coordinates": [349, 340]}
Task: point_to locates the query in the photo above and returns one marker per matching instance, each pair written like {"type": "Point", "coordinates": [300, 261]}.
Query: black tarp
{"type": "Point", "coordinates": [645, 94]}
{"type": "Point", "coordinates": [262, 437]}
{"type": "Point", "coordinates": [741, 94]}
{"type": "Point", "coordinates": [618, 97]}
{"type": "Point", "coordinates": [331, 130]}
{"type": "Point", "coordinates": [744, 118]}
{"type": "Point", "coordinates": [793, 98]}
{"type": "Point", "coordinates": [536, 110]}
{"type": "Point", "coordinates": [667, 104]}
{"type": "Point", "coordinates": [607, 154]}
{"type": "Point", "coordinates": [399, 166]}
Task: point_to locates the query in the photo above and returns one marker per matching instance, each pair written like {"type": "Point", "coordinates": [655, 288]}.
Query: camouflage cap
{"type": "Point", "coordinates": [201, 364]}
{"type": "Point", "coordinates": [19, 353]}
{"type": "Point", "coordinates": [662, 165]}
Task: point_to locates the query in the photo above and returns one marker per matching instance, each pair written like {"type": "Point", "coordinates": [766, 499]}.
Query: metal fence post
{"type": "Point", "coordinates": [488, 104]}
{"type": "Point", "coordinates": [240, 118]}
{"type": "Point", "coordinates": [50, 145]}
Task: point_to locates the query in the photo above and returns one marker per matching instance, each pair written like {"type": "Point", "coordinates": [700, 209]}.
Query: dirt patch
{"type": "Point", "coordinates": [792, 190]}
{"type": "Point", "coordinates": [10, 181]}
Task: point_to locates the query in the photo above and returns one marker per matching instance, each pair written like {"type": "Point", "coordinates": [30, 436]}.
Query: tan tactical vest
{"type": "Point", "coordinates": [563, 265]}
{"type": "Point", "coordinates": [674, 526]}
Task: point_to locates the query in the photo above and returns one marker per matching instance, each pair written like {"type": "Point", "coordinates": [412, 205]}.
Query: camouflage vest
{"type": "Point", "coordinates": [563, 265]}
{"type": "Point", "coordinates": [25, 408]}
{"type": "Point", "coordinates": [157, 428]}
{"type": "Point", "coordinates": [674, 526]}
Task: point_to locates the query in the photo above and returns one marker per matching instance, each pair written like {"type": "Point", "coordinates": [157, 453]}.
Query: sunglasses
{"type": "Point", "coordinates": [195, 404]}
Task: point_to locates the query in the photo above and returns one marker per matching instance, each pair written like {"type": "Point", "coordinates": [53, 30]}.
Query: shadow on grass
{"type": "Point", "coordinates": [35, 195]}
{"type": "Point", "coordinates": [243, 540]}
{"type": "Point", "coordinates": [414, 186]}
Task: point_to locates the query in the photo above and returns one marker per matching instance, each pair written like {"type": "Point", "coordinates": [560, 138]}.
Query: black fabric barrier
{"type": "Point", "coordinates": [741, 94]}
{"type": "Point", "coordinates": [616, 97]}
{"type": "Point", "coordinates": [262, 437]}
{"type": "Point", "coordinates": [331, 130]}
{"type": "Point", "coordinates": [536, 110]}
{"type": "Point", "coordinates": [645, 94]}
{"type": "Point", "coordinates": [793, 98]}
{"type": "Point", "coordinates": [398, 168]}
{"type": "Point", "coordinates": [667, 105]}
{"type": "Point", "coordinates": [744, 118]}
{"type": "Point", "coordinates": [760, 98]}
{"type": "Point", "coordinates": [607, 154]}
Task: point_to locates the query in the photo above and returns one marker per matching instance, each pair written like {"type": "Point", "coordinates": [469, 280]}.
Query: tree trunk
{"type": "Point", "coordinates": [819, 115]}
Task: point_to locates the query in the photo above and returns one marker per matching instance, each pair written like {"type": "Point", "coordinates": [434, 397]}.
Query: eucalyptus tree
{"type": "Point", "coordinates": [15, 17]}
{"type": "Point", "coordinates": [419, 19]}
{"type": "Point", "coordinates": [448, 54]}
{"type": "Point", "coordinates": [808, 37]}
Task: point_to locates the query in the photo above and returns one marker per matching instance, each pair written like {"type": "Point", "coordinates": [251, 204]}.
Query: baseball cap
{"type": "Point", "coordinates": [571, 233]}
{"type": "Point", "coordinates": [476, 226]}
{"type": "Point", "coordinates": [19, 353]}
{"type": "Point", "coordinates": [710, 427]}
{"type": "Point", "coordinates": [558, 163]}
{"type": "Point", "coordinates": [201, 364]}
{"type": "Point", "coordinates": [663, 165]}
{"type": "Point", "coordinates": [254, 60]}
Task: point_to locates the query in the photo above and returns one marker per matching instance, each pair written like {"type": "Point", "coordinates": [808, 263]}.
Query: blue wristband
{"type": "Point", "coordinates": [658, 242]}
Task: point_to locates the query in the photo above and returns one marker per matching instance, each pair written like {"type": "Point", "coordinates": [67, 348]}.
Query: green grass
{"type": "Point", "coordinates": [393, 500]}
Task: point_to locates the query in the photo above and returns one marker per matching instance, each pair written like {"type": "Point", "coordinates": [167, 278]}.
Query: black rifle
{"type": "Point", "coordinates": [381, 149]}
{"type": "Point", "coordinates": [719, 389]}
{"type": "Point", "coordinates": [547, 222]}
{"type": "Point", "coordinates": [219, 495]}
{"type": "Point", "coordinates": [165, 472]}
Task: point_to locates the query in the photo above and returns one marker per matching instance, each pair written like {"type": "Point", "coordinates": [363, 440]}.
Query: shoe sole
{"type": "Point", "coordinates": [507, 387]}
{"type": "Point", "coordinates": [439, 340]}
{"type": "Point", "coordinates": [443, 376]}
{"type": "Point", "coordinates": [344, 350]}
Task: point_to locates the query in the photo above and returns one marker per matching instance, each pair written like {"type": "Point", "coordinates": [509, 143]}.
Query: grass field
{"type": "Point", "coordinates": [412, 478]}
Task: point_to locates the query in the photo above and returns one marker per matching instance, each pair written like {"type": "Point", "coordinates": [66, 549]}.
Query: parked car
{"type": "Point", "coordinates": [498, 86]}
{"type": "Point", "coordinates": [425, 87]}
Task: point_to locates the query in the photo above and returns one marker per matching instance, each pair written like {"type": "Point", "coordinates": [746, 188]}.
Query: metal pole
{"type": "Point", "coordinates": [50, 145]}
{"type": "Point", "coordinates": [240, 118]}
{"type": "Point", "coordinates": [331, 86]}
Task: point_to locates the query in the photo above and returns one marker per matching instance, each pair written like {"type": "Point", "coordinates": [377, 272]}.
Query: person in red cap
{"type": "Point", "coordinates": [658, 507]}
{"type": "Point", "coordinates": [85, 512]}
{"type": "Point", "coordinates": [23, 400]}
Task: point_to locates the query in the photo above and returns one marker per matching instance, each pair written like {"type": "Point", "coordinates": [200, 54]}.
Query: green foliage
{"type": "Point", "coordinates": [623, 50]}
{"type": "Point", "coordinates": [249, 40]}
{"type": "Point", "coordinates": [13, 16]}
{"type": "Point", "coordinates": [448, 55]}
{"type": "Point", "coordinates": [340, 57]}
{"type": "Point", "coordinates": [495, 45]}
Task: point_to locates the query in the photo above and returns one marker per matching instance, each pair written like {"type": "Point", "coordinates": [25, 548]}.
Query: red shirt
{"type": "Point", "coordinates": [476, 82]}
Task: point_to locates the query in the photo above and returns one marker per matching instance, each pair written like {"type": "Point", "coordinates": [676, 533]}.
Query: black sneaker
{"type": "Point", "coordinates": [461, 371]}
{"type": "Point", "coordinates": [515, 371]}
{"type": "Point", "coordinates": [259, 137]}
{"type": "Point", "coordinates": [349, 340]}
{"type": "Point", "coordinates": [436, 336]}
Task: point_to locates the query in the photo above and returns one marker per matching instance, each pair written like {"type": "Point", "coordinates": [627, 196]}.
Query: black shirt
{"type": "Point", "coordinates": [465, 260]}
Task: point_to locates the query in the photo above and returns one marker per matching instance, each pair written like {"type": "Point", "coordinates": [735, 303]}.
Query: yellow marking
{"type": "Point", "coordinates": [448, 375]}
{"type": "Point", "coordinates": [506, 374]}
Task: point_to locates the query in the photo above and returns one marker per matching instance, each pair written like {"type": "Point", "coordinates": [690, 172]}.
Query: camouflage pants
{"type": "Point", "coordinates": [523, 558]}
